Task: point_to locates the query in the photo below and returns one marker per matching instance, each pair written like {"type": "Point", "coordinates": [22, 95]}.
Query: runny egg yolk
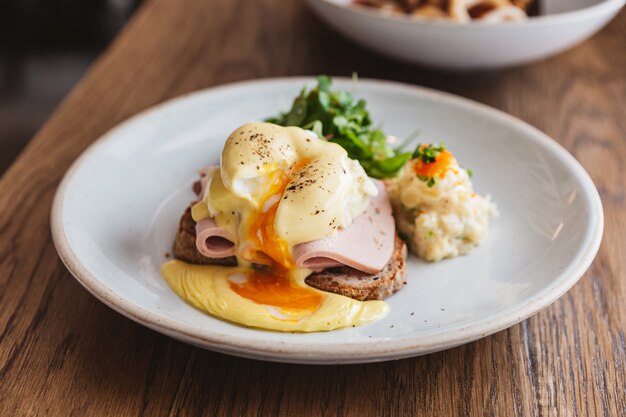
{"type": "Point", "coordinates": [274, 286]}
{"type": "Point", "coordinates": [437, 168]}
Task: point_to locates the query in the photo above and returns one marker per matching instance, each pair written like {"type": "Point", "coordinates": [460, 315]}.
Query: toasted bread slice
{"type": "Point", "coordinates": [345, 281]}
{"type": "Point", "coordinates": [361, 285]}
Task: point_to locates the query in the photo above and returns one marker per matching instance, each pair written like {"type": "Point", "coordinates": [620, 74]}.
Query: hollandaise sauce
{"type": "Point", "coordinates": [276, 187]}
{"type": "Point", "coordinates": [236, 294]}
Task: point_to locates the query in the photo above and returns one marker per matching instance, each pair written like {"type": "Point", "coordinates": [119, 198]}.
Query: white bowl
{"type": "Point", "coordinates": [117, 210]}
{"type": "Point", "coordinates": [475, 45]}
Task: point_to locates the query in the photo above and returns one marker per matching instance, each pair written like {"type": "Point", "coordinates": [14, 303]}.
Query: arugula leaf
{"type": "Point", "coordinates": [340, 118]}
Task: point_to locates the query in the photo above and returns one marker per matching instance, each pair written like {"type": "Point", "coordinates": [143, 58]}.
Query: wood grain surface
{"type": "Point", "coordinates": [64, 353]}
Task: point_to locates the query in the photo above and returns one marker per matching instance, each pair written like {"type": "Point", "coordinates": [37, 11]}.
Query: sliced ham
{"type": "Point", "coordinates": [367, 244]}
{"type": "Point", "coordinates": [212, 241]}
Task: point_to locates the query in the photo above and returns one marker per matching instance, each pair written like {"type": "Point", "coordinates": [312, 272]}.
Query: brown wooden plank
{"type": "Point", "coordinates": [64, 353]}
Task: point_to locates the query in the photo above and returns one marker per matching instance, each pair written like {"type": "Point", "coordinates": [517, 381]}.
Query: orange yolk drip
{"type": "Point", "coordinates": [264, 236]}
{"type": "Point", "coordinates": [274, 286]}
{"type": "Point", "coordinates": [261, 230]}
{"type": "Point", "coordinates": [437, 168]}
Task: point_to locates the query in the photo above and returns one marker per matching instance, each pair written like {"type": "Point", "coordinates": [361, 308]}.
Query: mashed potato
{"type": "Point", "coordinates": [436, 209]}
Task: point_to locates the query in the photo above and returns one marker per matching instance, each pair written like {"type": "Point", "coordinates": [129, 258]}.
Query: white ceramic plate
{"type": "Point", "coordinates": [116, 212]}
{"type": "Point", "coordinates": [563, 24]}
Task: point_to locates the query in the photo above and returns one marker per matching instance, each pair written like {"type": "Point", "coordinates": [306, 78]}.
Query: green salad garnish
{"type": "Point", "coordinates": [340, 118]}
{"type": "Point", "coordinates": [428, 153]}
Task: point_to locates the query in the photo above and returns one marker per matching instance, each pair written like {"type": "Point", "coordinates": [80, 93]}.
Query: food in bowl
{"type": "Point", "coordinates": [461, 11]}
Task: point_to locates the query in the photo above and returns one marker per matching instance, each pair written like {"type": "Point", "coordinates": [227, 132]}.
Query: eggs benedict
{"type": "Point", "coordinates": [288, 233]}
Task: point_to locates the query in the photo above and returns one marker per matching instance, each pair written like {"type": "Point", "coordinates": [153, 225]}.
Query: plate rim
{"type": "Point", "coordinates": [316, 352]}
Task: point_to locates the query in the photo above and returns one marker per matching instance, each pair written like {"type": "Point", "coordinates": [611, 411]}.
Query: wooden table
{"type": "Point", "coordinates": [64, 353]}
